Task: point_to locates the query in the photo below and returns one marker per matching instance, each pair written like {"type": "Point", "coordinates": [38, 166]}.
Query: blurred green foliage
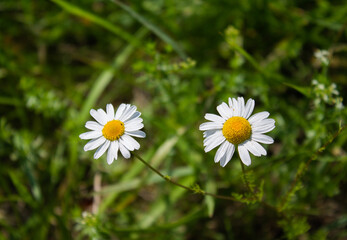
{"type": "Point", "coordinates": [175, 60]}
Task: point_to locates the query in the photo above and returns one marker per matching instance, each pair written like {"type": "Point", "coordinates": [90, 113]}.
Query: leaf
{"type": "Point", "coordinates": [105, 77]}
{"type": "Point", "coordinates": [211, 187]}
{"type": "Point", "coordinates": [294, 226]}
{"type": "Point", "coordinates": [73, 9]}
{"type": "Point", "coordinates": [160, 206]}
{"type": "Point", "coordinates": [21, 188]}
{"type": "Point", "coordinates": [157, 31]}
{"type": "Point", "coordinates": [166, 147]}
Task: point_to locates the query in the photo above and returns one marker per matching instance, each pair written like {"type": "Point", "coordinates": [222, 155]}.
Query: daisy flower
{"type": "Point", "coordinates": [235, 128]}
{"type": "Point", "coordinates": [114, 131]}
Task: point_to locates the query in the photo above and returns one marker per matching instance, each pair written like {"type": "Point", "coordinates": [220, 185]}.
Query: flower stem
{"type": "Point", "coordinates": [160, 174]}
{"type": "Point", "coordinates": [191, 189]}
{"type": "Point", "coordinates": [249, 57]}
{"type": "Point", "coordinates": [245, 179]}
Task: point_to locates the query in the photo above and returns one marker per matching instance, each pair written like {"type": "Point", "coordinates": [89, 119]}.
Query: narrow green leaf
{"type": "Point", "coordinates": [211, 187]}
{"type": "Point", "coordinates": [157, 31]}
{"type": "Point", "coordinates": [21, 188]}
{"type": "Point", "coordinates": [75, 10]}
{"type": "Point", "coordinates": [106, 76]}
{"type": "Point", "coordinates": [159, 206]}
{"type": "Point", "coordinates": [100, 84]}
{"type": "Point", "coordinates": [166, 147]}
{"type": "Point", "coordinates": [304, 90]}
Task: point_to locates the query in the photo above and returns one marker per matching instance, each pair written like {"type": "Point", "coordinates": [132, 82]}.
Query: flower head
{"type": "Point", "coordinates": [322, 56]}
{"type": "Point", "coordinates": [114, 131]}
{"type": "Point", "coordinates": [235, 127]}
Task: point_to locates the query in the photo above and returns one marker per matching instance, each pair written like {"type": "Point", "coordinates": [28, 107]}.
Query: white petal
{"type": "Point", "coordinates": [133, 127]}
{"type": "Point", "coordinates": [127, 114]}
{"type": "Point", "coordinates": [120, 111]}
{"type": "Point", "coordinates": [258, 117]}
{"type": "Point", "coordinates": [138, 133]}
{"type": "Point", "coordinates": [236, 109]}
{"type": "Point", "coordinates": [259, 148]}
{"type": "Point", "coordinates": [110, 157]}
{"type": "Point", "coordinates": [224, 111]}
{"type": "Point", "coordinates": [98, 117]}
{"type": "Point", "coordinates": [110, 112]}
{"type": "Point", "coordinates": [231, 151]}
{"type": "Point", "coordinates": [112, 152]}
{"type": "Point", "coordinates": [126, 144]}
{"type": "Point", "coordinates": [133, 121]}
{"type": "Point", "coordinates": [115, 148]}
{"type": "Point", "coordinates": [216, 142]}
{"type": "Point", "coordinates": [244, 155]}
{"type": "Point", "coordinates": [249, 108]}
{"type": "Point", "coordinates": [214, 118]}
{"type": "Point", "coordinates": [250, 147]}
{"type": "Point", "coordinates": [135, 115]}
{"type": "Point", "coordinates": [208, 140]}
{"type": "Point", "coordinates": [262, 138]}
{"type": "Point", "coordinates": [125, 152]}
{"type": "Point", "coordinates": [91, 135]}
{"type": "Point", "coordinates": [92, 125]}
{"type": "Point", "coordinates": [130, 141]}
{"type": "Point", "coordinates": [221, 151]}
{"type": "Point", "coordinates": [210, 126]}
{"type": "Point", "coordinates": [92, 144]}
{"type": "Point", "coordinates": [102, 149]}
{"type": "Point", "coordinates": [230, 103]}
{"type": "Point", "coordinates": [229, 154]}
{"type": "Point", "coordinates": [264, 122]}
{"type": "Point", "coordinates": [223, 158]}
{"type": "Point", "coordinates": [209, 133]}
{"type": "Point", "coordinates": [241, 105]}
{"type": "Point", "coordinates": [103, 114]}
{"type": "Point", "coordinates": [263, 129]}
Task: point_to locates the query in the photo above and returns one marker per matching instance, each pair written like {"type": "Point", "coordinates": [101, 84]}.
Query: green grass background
{"type": "Point", "coordinates": [176, 61]}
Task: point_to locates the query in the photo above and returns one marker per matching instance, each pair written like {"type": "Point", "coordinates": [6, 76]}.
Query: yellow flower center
{"type": "Point", "coordinates": [237, 130]}
{"type": "Point", "coordinates": [113, 130]}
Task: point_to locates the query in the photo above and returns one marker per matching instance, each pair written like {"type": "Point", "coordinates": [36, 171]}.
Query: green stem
{"type": "Point", "coordinates": [160, 174]}
{"type": "Point", "coordinates": [168, 179]}
{"type": "Point", "coordinates": [245, 179]}
{"type": "Point", "coordinates": [247, 56]}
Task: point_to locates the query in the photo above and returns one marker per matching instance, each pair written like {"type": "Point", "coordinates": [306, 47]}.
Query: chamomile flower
{"type": "Point", "coordinates": [236, 128]}
{"type": "Point", "coordinates": [113, 132]}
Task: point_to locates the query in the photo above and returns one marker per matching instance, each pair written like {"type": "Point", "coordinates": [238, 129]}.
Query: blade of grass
{"type": "Point", "coordinates": [77, 11]}
{"type": "Point", "coordinates": [304, 90]}
{"type": "Point", "coordinates": [211, 186]}
{"type": "Point", "coordinates": [105, 78]}
{"type": "Point", "coordinates": [157, 31]}
{"type": "Point", "coordinates": [23, 193]}
{"type": "Point", "coordinates": [160, 206]}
